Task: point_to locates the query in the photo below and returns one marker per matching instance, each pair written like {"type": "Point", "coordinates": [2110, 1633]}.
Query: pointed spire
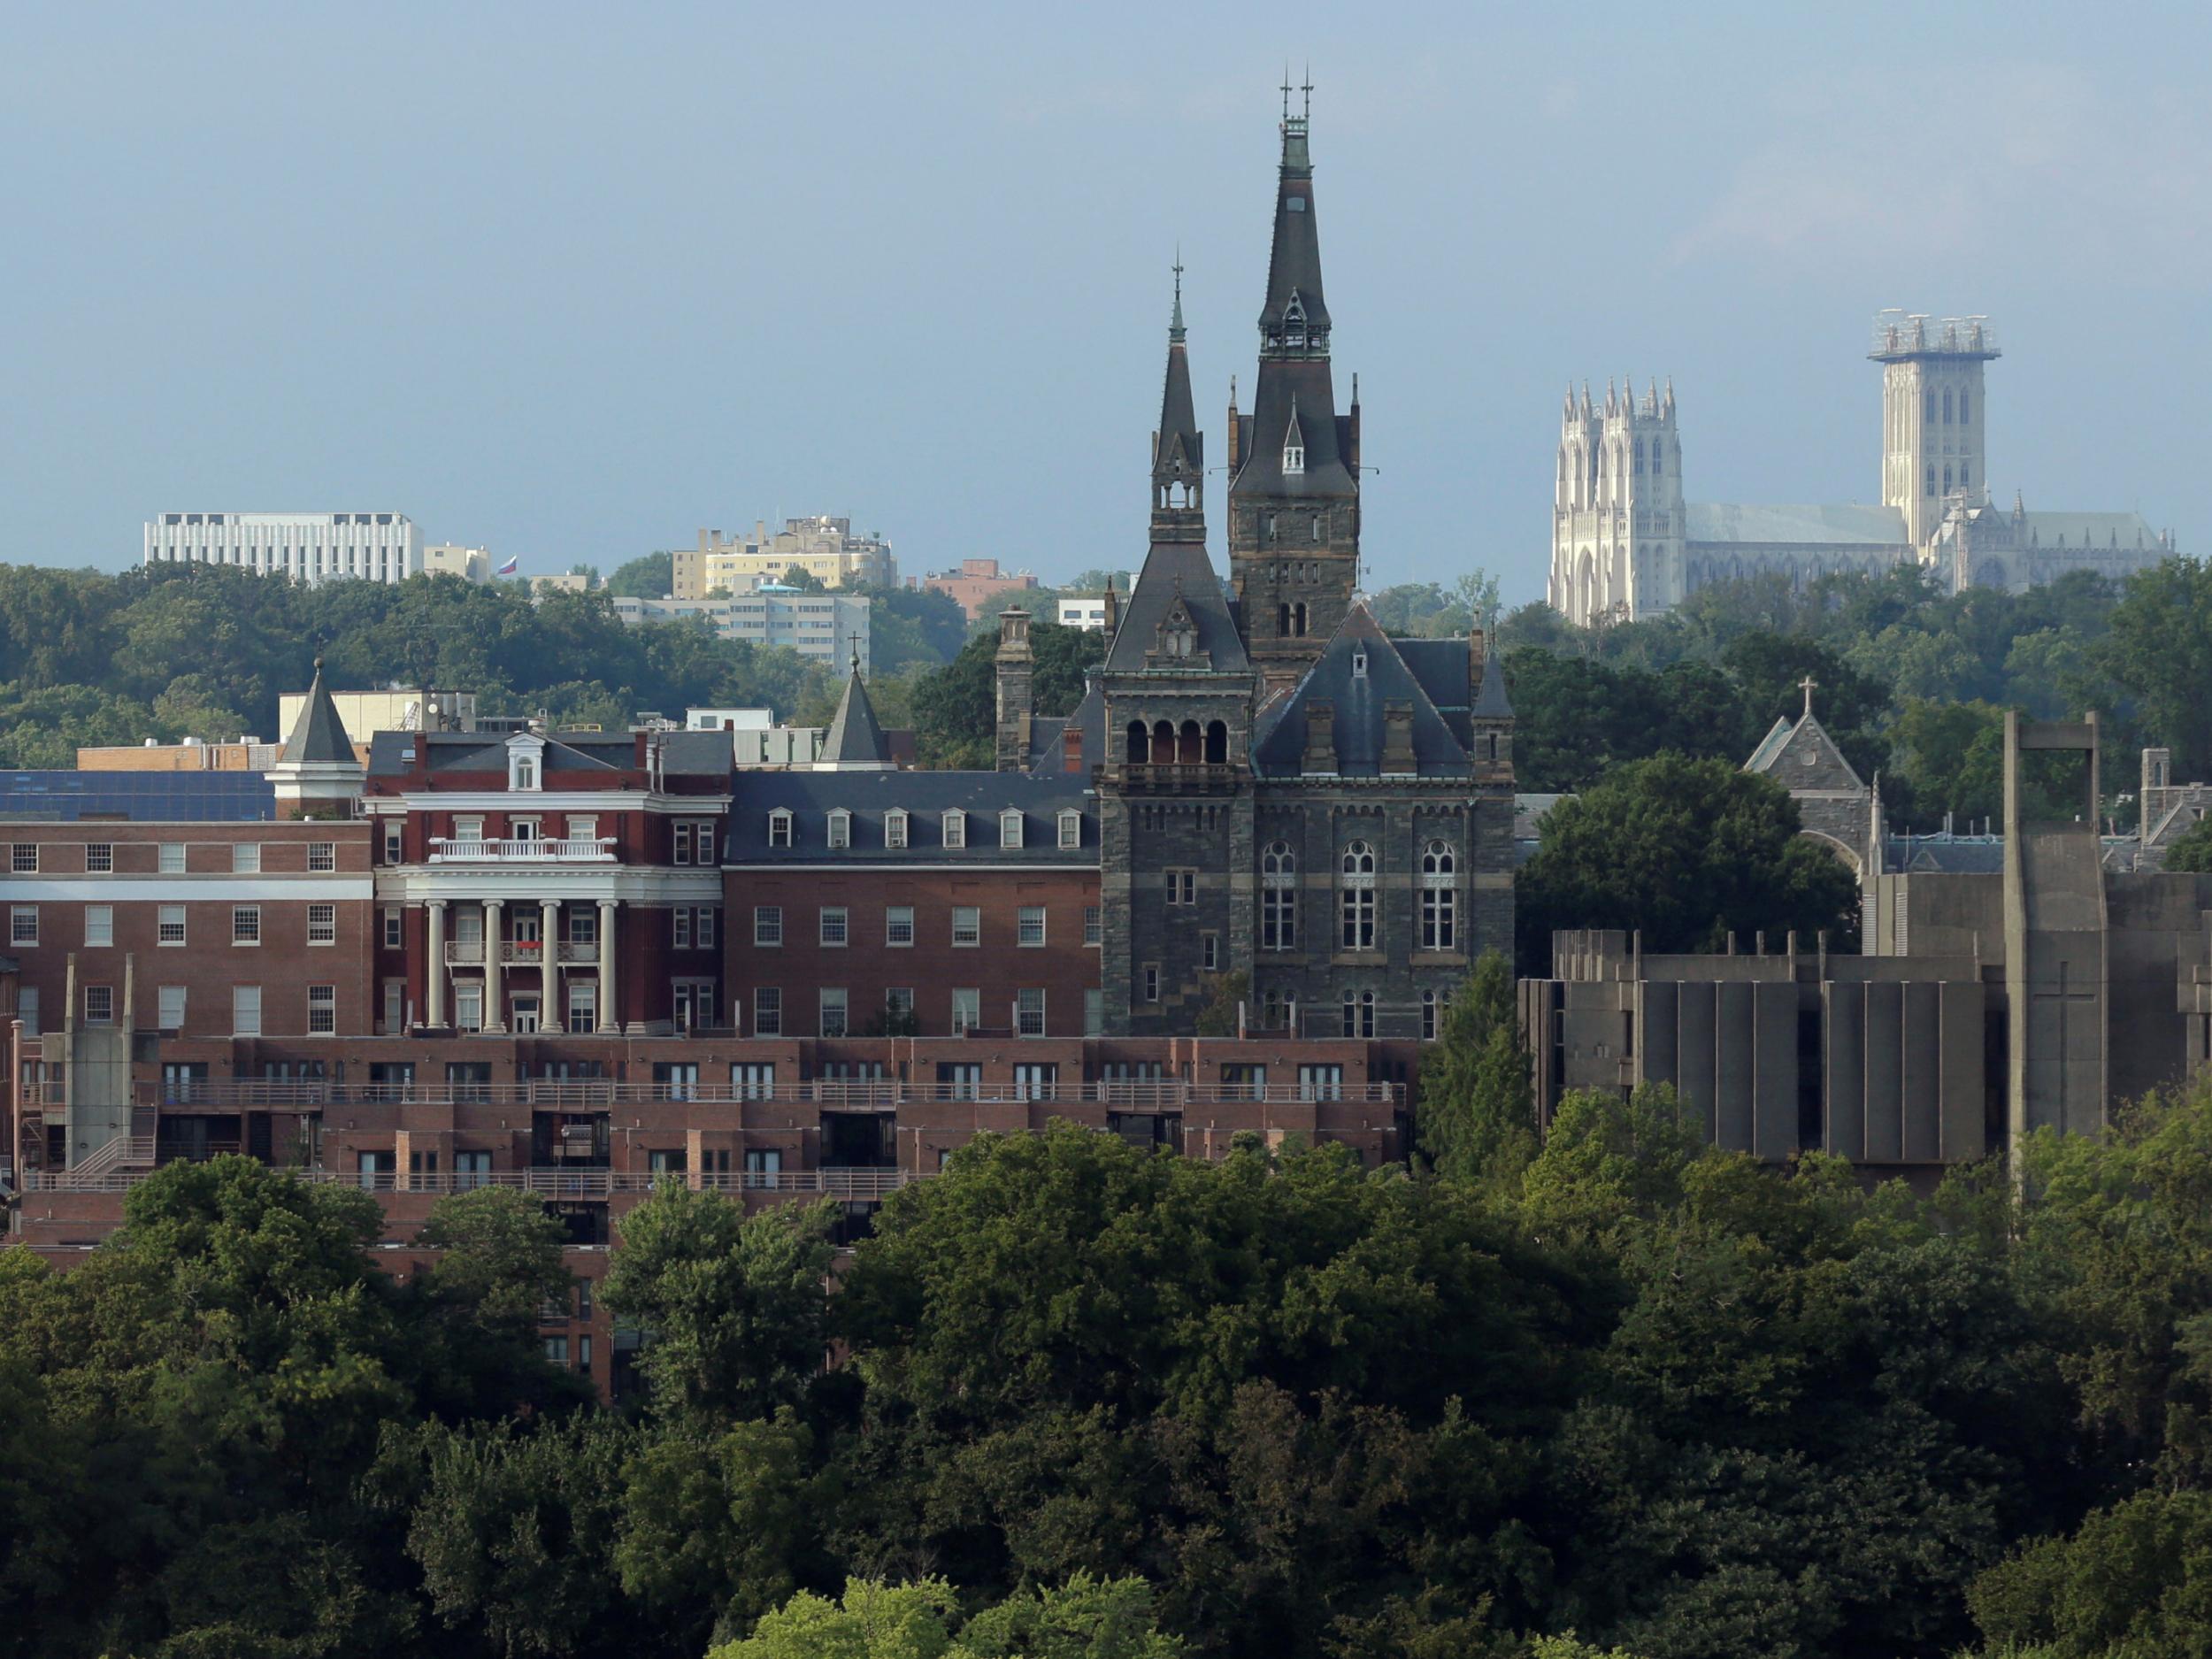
{"type": "Point", "coordinates": [1294, 320]}
{"type": "Point", "coordinates": [1175, 319]}
{"type": "Point", "coordinates": [318, 736]}
{"type": "Point", "coordinates": [854, 741]}
{"type": "Point", "coordinates": [1178, 457]}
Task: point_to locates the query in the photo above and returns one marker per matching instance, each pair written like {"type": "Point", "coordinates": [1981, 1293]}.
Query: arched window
{"type": "Point", "coordinates": [1433, 1006]}
{"type": "Point", "coordinates": [1964, 470]}
{"type": "Point", "coordinates": [1298, 619]}
{"type": "Point", "coordinates": [1439, 897]}
{"type": "Point", "coordinates": [1947, 408]}
{"type": "Point", "coordinates": [1163, 743]}
{"type": "Point", "coordinates": [1293, 459]}
{"type": "Point", "coordinates": [1278, 897]}
{"type": "Point", "coordinates": [1932, 478]}
{"type": "Point", "coordinates": [1356, 893]}
{"type": "Point", "coordinates": [1962, 397]}
{"type": "Point", "coordinates": [1217, 742]}
{"type": "Point", "coordinates": [1282, 621]}
{"type": "Point", "coordinates": [840, 827]}
{"type": "Point", "coordinates": [1946, 480]}
{"type": "Point", "coordinates": [1359, 1013]}
{"type": "Point", "coordinates": [1189, 746]}
{"type": "Point", "coordinates": [1657, 464]}
{"type": "Point", "coordinates": [1140, 744]}
{"type": "Point", "coordinates": [894, 827]}
{"type": "Point", "coordinates": [1009, 828]}
{"type": "Point", "coordinates": [1273, 1011]}
{"type": "Point", "coordinates": [1930, 417]}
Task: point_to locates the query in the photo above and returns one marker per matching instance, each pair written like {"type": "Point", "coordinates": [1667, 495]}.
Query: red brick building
{"type": "Point", "coordinates": [974, 582]}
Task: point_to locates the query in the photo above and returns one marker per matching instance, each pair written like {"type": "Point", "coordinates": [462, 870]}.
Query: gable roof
{"type": "Point", "coordinates": [1804, 736]}
{"type": "Point", "coordinates": [1173, 569]}
{"type": "Point", "coordinates": [1358, 702]}
{"type": "Point", "coordinates": [854, 738]}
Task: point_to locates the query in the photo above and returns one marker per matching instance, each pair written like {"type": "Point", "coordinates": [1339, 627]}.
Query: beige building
{"type": "Point", "coordinates": [825, 549]}
{"type": "Point", "coordinates": [450, 558]}
{"type": "Point", "coordinates": [366, 713]}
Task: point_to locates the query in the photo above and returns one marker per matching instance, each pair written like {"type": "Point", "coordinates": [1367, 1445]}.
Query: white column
{"type": "Point", "coordinates": [494, 1005]}
{"type": "Point", "coordinates": [609, 1020]}
{"type": "Point", "coordinates": [551, 1016]}
{"type": "Point", "coordinates": [435, 1009]}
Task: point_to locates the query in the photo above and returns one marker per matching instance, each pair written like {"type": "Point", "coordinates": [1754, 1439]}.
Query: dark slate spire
{"type": "Point", "coordinates": [1178, 448]}
{"type": "Point", "coordinates": [854, 742]}
{"type": "Point", "coordinates": [1491, 702]}
{"type": "Point", "coordinates": [318, 736]}
{"type": "Point", "coordinates": [1295, 321]}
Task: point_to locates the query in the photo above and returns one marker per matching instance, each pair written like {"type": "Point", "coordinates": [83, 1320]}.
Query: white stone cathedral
{"type": "Point", "coordinates": [1625, 544]}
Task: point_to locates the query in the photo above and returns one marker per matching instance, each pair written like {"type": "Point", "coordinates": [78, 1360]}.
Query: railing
{"type": "Point", "coordinates": [884, 1095]}
{"type": "Point", "coordinates": [1178, 776]}
{"type": "Point", "coordinates": [852, 1185]}
{"type": "Point", "coordinates": [468, 953]}
{"type": "Point", "coordinates": [447, 851]}
{"type": "Point", "coordinates": [125, 1156]}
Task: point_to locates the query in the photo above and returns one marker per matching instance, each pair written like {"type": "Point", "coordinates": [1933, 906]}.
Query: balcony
{"type": "Point", "coordinates": [533, 851]}
{"type": "Point", "coordinates": [881, 1095]}
{"type": "Point", "coordinates": [849, 1184]}
{"type": "Point", "coordinates": [1190, 778]}
{"type": "Point", "coordinates": [468, 953]}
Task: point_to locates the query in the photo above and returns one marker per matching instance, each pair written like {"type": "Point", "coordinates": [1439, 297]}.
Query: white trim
{"type": "Point", "coordinates": [578, 884]}
{"type": "Point", "coordinates": [147, 887]}
{"type": "Point", "coordinates": [543, 800]}
{"type": "Point", "coordinates": [929, 866]}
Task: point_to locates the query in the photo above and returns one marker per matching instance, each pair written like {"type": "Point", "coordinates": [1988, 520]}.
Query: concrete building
{"type": "Point", "coordinates": [247, 754]}
{"type": "Point", "coordinates": [401, 708]}
{"type": "Point", "coordinates": [1627, 545]}
{"type": "Point", "coordinates": [824, 547]}
{"type": "Point", "coordinates": [308, 547]}
{"type": "Point", "coordinates": [976, 581]}
{"type": "Point", "coordinates": [755, 739]}
{"type": "Point", "coordinates": [1096, 611]}
{"type": "Point", "coordinates": [826, 628]}
{"type": "Point", "coordinates": [450, 558]}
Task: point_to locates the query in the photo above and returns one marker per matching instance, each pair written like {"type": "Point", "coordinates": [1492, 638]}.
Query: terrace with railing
{"type": "Point", "coordinates": [880, 1094]}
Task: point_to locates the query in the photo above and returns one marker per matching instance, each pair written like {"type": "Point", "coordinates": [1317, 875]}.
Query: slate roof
{"type": "Point", "coordinates": [1776, 743]}
{"type": "Point", "coordinates": [1285, 385]}
{"type": "Point", "coordinates": [683, 753]}
{"type": "Point", "coordinates": [1491, 702]}
{"type": "Point", "coordinates": [1171, 568]}
{"type": "Point", "coordinates": [854, 738]}
{"type": "Point", "coordinates": [1047, 750]}
{"type": "Point", "coordinates": [151, 797]}
{"type": "Point", "coordinates": [1357, 702]}
{"type": "Point", "coordinates": [926, 797]}
{"type": "Point", "coordinates": [1441, 665]}
{"type": "Point", "coordinates": [2127, 532]}
{"type": "Point", "coordinates": [1819, 526]}
{"type": "Point", "coordinates": [318, 736]}
{"type": "Point", "coordinates": [1294, 256]}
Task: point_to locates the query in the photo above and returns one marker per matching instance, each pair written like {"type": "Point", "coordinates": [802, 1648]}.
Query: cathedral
{"type": "Point", "coordinates": [1625, 545]}
{"type": "Point", "coordinates": [1282, 791]}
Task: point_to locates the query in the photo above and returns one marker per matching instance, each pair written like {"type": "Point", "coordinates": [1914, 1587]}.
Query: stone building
{"type": "Point", "coordinates": [1626, 544]}
{"type": "Point", "coordinates": [1833, 800]}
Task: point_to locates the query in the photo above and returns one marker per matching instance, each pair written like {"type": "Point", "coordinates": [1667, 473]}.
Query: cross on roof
{"type": "Point", "coordinates": [1807, 684]}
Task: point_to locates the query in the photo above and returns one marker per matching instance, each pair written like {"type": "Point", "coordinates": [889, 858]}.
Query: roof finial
{"type": "Point", "coordinates": [1807, 683]}
{"type": "Point", "coordinates": [1175, 324]}
{"type": "Point", "coordinates": [1286, 88]}
{"type": "Point", "coordinates": [1308, 90]}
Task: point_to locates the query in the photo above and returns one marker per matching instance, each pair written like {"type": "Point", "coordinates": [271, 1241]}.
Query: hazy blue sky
{"type": "Point", "coordinates": [573, 282]}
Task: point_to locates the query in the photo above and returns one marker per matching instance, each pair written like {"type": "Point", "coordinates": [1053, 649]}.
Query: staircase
{"type": "Point", "coordinates": [125, 1155]}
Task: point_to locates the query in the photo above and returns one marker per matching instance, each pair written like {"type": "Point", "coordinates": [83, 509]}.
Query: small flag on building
{"type": "Point", "coordinates": [508, 569]}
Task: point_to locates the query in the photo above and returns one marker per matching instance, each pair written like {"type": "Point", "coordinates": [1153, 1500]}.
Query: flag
{"type": "Point", "coordinates": [508, 569]}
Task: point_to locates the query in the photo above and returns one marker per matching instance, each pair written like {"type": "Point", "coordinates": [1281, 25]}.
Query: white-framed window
{"type": "Point", "coordinates": [1151, 976]}
{"type": "Point", "coordinates": [833, 926]}
{"type": "Point", "coordinates": [1278, 897]}
{"type": "Point", "coordinates": [99, 1005]}
{"type": "Point", "coordinates": [322, 855]}
{"type": "Point", "coordinates": [171, 858]}
{"type": "Point", "coordinates": [99, 858]}
{"type": "Point", "coordinates": [681, 926]}
{"type": "Point", "coordinates": [468, 829]}
{"type": "Point", "coordinates": [169, 1007]}
{"type": "Point", "coordinates": [898, 1007]}
{"type": "Point", "coordinates": [522, 771]}
{"type": "Point", "coordinates": [1093, 925]}
{"type": "Point", "coordinates": [1210, 952]}
{"type": "Point", "coordinates": [835, 1007]}
{"type": "Point", "coordinates": [1439, 897]}
{"type": "Point", "coordinates": [767, 1010]}
{"type": "Point", "coordinates": [1029, 926]}
{"type": "Point", "coordinates": [23, 858]}
{"type": "Point", "coordinates": [767, 925]}
{"type": "Point", "coordinates": [967, 1009]}
{"type": "Point", "coordinates": [583, 1006]}
{"type": "Point", "coordinates": [1182, 886]}
{"type": "Point", "coordinates": [322, 924]}
{"type": "Point", "coordinates": [395, 1007]}
{"type": "Point", "coordinates": [583, 826]}
{"type": "Point", "coordinates": [1433, 1007]}
{"type": "Point", "coordinates": [1029, 1011]}
{"type": "Point", "coordinates": [956, 828]}
{"type": "Point", "coordinates": [841, 828]}
{"type": "Point", "coordinates": [245, 1010]}
{"type": "Point", "coordinates": [1359, 1013]}
{"type": "Point", "coordinates": [702, 927]}
{"type": "Point", "coordinates": [1357, 893]}
{"type": "Point", "coordinates": [1070, 829]}
{"type": "Point", "coordinates": [679, 838]}
{"type": "Point", "coordinates": [322, 1007]}
{"type": "Point", "coordinates": [778, 829]}
{"type": "Point", "coordinates": [898, 924]}
{"type": "Point", "coordinates": [894, 828]}
{"type": "Point", "coordinates": [168, 925]}
{"type": "Point", "coordinates": [99, 924]}
{"type": "Point", "coordinates": [967, 926]}
{"type": "Point", "coordinates": [23, 923]}
{"type": "Point", "coordinates": [395, 927]}
{"type": "Point", "coordinates": [394, 843]}
{"type": "Point", "coordinates": [1010, 828]}
{"type": "Point", "coordinates": [1293, 457]}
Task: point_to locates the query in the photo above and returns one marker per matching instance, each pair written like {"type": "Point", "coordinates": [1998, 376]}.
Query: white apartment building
{"type": "Point", "coordinates": [308, 547]}
{"type": "Point", "coordinates": [821, 627]}
{"type": "Point", "coordinates": [1089, 611]}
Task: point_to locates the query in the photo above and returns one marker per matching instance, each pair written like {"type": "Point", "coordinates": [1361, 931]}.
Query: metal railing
{"type": "Point", "coordinates": [849, 1184]}
{"type": "Point", "coordinates": [1141, 1095]}
{"type": "Point", "coordinates": [124, 1158]}
{"type": "Point", "coordinates": [446, 850]}
{"type": "Point", "coordinates": [468, 953]}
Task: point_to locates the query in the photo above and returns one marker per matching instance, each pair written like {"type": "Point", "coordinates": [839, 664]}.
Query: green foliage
{"type": "Point", "coordinates": [499, 1256]}
{"type": "Point", "coordinates": [2192, 850]}
{"type": "Point", "coordinates": [1478, 1109]}
{"type": "Point", "coordinates": [955, 708]}
{"type": "Point", "coordinates": [648, 576]}
{"type": "Point", "coordinates": [1687, 851]}
{"type": "Point", "coordinates": [1218, 1017]}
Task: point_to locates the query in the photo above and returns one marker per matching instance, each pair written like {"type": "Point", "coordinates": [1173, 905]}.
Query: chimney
{"type": "Point", "coordinates": [1478, 649]}
{"type": "Point", "coordinates": [1015, 670]}
{"type": "Point", "coordinates": [1320, 758]}
{"type": "Point", "coordinates": [1397, 758]}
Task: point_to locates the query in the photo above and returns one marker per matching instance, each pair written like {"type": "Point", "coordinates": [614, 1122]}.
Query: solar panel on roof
{"type": "Point", "coordinates": [176, 797]}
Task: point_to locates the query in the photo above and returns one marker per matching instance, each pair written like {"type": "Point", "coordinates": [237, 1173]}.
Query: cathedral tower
{"type": "Point", "coordinates": [1932, 416]}
{"type": "Point", "coordinates": [1617, 516]}
{"type": "Point", "coordinates": [1293, 461]}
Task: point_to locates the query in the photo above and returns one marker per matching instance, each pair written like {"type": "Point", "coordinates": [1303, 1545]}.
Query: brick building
{"type": "Point", "coordinates": [974, 584]}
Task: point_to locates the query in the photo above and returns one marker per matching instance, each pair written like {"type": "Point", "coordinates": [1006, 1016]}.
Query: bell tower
{"type": "Point", "coordinates": [1932, 448]}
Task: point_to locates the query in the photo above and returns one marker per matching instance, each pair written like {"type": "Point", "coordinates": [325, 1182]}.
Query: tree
{"type": "Point", "coordinates": [648, 576]}
{"type": "Point", "coordinates": [2192, 850]}
{"type": "Point", "coordinates": [1219, 1017]}
{"type": "Point", "coordinates": [955, 709]}
{"type": "Point", "coordinates": [1477, 1117]}
{"type": "Point", "coordinates": [1686, 852]}
{"type": "Point", "coordinates": [499, 1256]}
{"type": "Point", "coordinates": [803, 578]}
{"type": "Point", "coordinates": [2158, 654]}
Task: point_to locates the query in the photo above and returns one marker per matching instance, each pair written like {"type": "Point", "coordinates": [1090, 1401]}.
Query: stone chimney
{"type": "Point", "coordinates": [1016, 666]}
{"type": "Point", "coordinates": [1397, 756]}
{"type": "Point", "coordinates": [1320, 759]}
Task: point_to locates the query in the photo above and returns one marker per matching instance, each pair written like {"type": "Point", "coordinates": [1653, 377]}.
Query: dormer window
{"type": "Point", "coordinates": [1070, 829]}
{"type": "Point", "coordinates": [841, 828]}
{"type": "Point", "coordinates": [523, 763]}
{"type": "Point", "coordinates": [956, 828]}
{"type": "Point", "coordinates": [894, 828]}
{"type": "Point", "coordinates": [1293, 459]}
{"type": "Point", "coordinates": [780, 828]}
{"type": "Point", "coordinates": [1010, 828]}
{"type": "Point", "coordinates": [1359, 664]}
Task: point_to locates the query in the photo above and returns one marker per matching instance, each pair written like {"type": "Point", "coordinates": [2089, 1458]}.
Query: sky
{"type": "Point", "coordinates": [572, 282]}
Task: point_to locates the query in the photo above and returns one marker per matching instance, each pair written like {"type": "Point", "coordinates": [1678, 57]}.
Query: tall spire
{"type": "Point", "coordinates": [1178, 448]}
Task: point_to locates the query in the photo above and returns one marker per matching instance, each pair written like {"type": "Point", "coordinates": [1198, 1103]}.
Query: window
{"type": "Point", "coordinates": [471, 1170]}
{"type": "Point", "coordinates": [1030, 928]}
{"type": "Point", "coordinates": [1094, 1013]}
{"type": "Point", "coordinates": [468, 829]}
{"type": "Point", "coordinates": [169, 925]}
{"type": "Point", "coordinates": [1279, 898]}
{"type": "Point", "coordinates": [959, 1080]}
{"type": "Point", "coordinates": [583, 1006]}
{"type": "Point", "coordinates": [702, 927]}
{"type": "Point", "coordinates": [1440, 898]}
{"type": "Point", "coordinates": [395, 1007]}
{"type": "Point", "coordinates": [1962, 398]}
{"type": "Point", "coordinates": [393, 846]}
{"type": "Point", "coordinates": [1094, 928]}
{"type": "Point", "coordinates": [1930, 416]}
{"type": "Point", "coordinates": [1151, 982]}
{"type": "Point", "coordinates": [27, 1008]}
{"type": "Point", "coordinates": [898, 1008]}
{"type": "Point", "coordinates": [956, 823]}
{"type": "Point", "coordinates": [1070, 829]}
{"type": "Point", "coordinates": [768, 1012]}
{"type": "Point", "coordinates": [322, 924]}
{"type": "Point", "coordinates": [99, 857]}
{"type": "Point", "coordinates": [762, 1165]}
{"type": "Point", "coordinates": [681, 833]}
{"type": "Point", "coordinates": [1358, 891]}
{"type": "Point", "coordinates": [1182, 886]}
{"type": "Point", "coordinates": [1210, 952]}
{"type": "Point", "coordinates": [754, 1080]}
{"type": "Point", "coordinates": [556, 1351]}
{"type": "Point", "coordinates": [1010, 828]}
{"type": "Point", "coordinates": [323, 855]}
{"type": "Point", "coordinates": [245, 1010]}
{"type": "Point", "coordinates": [1029, 1012]}
{"type": "Point", "coordinates": [1431, 1007]}
{"type": "Point", "coordinates": [894, 828]}
{"type": "Point", "coordinates": [583, 828]}
{"type": "Point", "coordinates": [767, 925]}
{"type": "Point", "coordinates": [1293, 458]}
{"type": "Point", "coordinates": [833, 1010]}
{"type": "Point", "coordinates": [1359, 1013]}
{"type": "Point", "coordinates": [681, 927]}
{"type": "Point", "coordinates": [967, 926]}
{"type": "Point", "coordinates": [24, 859]}
{"type": "Point", "coordinates": [522, 772]}
{"type": "Point", "coordinates": [395, 927]}
{"type": "Point", "coordinates": [1931, 490]}
{"type": "Point", "coordinates": [1320, 1082]}
{"type": "Point", "coordinates": [23, 925]}
{"type": "Point", "coordinates": [1947, 408]}
{"type": "Point", "coordinates": [322, 1008]}
{"type": "Point", "coordinates": [841, 828]}
{"type": "Point", "coordinates": [245, 859]}
{"type": "Point", "coordinates": [169, 1007]}
{"type": "Point", "coordinates": [99, 1005]}
{"type": "Point", "coordinates": [99, 923]}
{"type": "Point", "coordinates": [967, 1010]}
{"type": "Point", "coordinates": [898, 924]}
{"type": "Point", "coordinates": [245, 924]}
{"type": "Point", "coordinates": [779, 833]}
{"type": "Point", "coordinates": [833, 924]}
{"type": "Point", "coordinates": [171, 860]}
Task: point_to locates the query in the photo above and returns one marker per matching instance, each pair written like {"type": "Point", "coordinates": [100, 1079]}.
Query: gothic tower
{"type": "Point", "coordinates": [1293, 461]}
{"type": "Point", "coordinates": [1932, 450]}
{"type": "Point", "coordinates": [1617, 517]}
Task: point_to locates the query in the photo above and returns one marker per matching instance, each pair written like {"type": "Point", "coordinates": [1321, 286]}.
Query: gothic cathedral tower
{"type": "Point", "coordinates": [1293, 461]}
{"type": "Point", "coordinates": [1932, 452]}
{"type": "Point", "coordinates": [1618, 514]}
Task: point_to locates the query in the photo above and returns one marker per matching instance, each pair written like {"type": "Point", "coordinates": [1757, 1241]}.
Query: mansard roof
{"type": "Point", "coordinates": [683, 753]}
{"type": "Point", "coordinates": [1173, 571]}
{"type": "Point", "coordinates": [1358, 702]}
{"type": "Point", "coordinates": [809, 797]}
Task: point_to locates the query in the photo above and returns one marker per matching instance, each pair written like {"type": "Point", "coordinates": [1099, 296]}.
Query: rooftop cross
{"type": "Point", "coordinates": [1807, 685]}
